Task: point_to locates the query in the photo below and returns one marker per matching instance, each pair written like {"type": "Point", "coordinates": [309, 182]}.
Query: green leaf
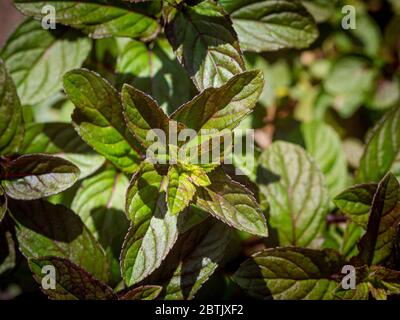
{"type": "Point", "coordinates": [153, 230]}
{"type": "Point", "coordinates": [142, 114]}
{"type": "Point", "coordinates": [269, 25]}
{"type": "Point", "coordinates": [35, 176]}
{"type": "Point", "coordinates": [205, 43]}
{"type": "Point", "coordinates": [98, 118]}
{"type": "Point", "coordinates": [382, 153]}
{"type": "Point", "coordinates": [232, 203]}
{"type": "Point", "coordinates": [11, 121]}
{"type": "Point", "coordinates": [60, 139]}
{"type": "Point", "coordinates": [290, 274]}
{"type": "Point", "coordinates": [224, 107]}
{"type": "Point", "coordinates": [180, 190]}
{"type": "Point", "coordinates": [38, 58]}
{"type": "Point", "coordinates": [97, 18]}
{"type": "Point", "coordinates": [355, 202]}
{"type": "Point", "coordinates": [72, 282]}
{"type": "Point", "coordinates": [194, 258]}
{"type": "Point", "coordinates": [294, 187]}
{"type": "Point", "coordinates": [153, 69]}
{"type": "Point", "coordinates": [100, 204]}
{"type": "Point", "coordinates": [324, 145]}
{"type": "Point", "coordinates": [142, 293]}
{"type": "Point", "coordinates": [378, 243]}
{"type": "Point", "coordinates": [44, 229]}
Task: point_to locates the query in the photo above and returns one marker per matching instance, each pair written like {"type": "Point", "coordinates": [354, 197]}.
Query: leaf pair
{"type": "Point", "coordinates": [148, 212]}
{"type": "Point", "coordinates": [99, 118]}
{"type": "Point", "coordinates": [155, 229]}
{"type": "Point", "coordinates": [100, 114]}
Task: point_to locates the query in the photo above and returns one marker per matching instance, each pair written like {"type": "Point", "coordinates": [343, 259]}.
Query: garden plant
{"type": "Point", "coordinates": [109, 107]}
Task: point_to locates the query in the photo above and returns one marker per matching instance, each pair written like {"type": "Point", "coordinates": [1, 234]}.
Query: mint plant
{"type": "Point", "coordinates": [122, 171]}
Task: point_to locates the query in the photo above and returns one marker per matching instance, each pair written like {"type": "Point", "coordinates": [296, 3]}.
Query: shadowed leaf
{"type": "Point", "coordinates": [38, 176]}
{"type": "Point", "coordinates": [290, 274]}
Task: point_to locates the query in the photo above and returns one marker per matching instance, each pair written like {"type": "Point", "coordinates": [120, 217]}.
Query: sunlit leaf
{"type": "Point", "coordinates": [268, 25]}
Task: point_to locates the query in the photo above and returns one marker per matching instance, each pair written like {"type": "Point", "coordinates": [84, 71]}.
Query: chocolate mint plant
{"type": "Point", "coordinates": [123, 172]}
